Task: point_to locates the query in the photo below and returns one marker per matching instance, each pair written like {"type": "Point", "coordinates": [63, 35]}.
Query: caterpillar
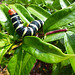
{"type": "Point", "coordinates": [30, 30]}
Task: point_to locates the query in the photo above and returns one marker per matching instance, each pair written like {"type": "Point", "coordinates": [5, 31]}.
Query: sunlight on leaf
{"type": "Point", "coordinates": [2, 16]}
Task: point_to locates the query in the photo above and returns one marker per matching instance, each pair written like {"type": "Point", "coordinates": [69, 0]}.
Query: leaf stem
{"type": "Point", "coordinates": [52, 32]}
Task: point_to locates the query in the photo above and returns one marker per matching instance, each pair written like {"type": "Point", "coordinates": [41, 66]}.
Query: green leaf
{"type": "Point", "coordinates": [7, 24]}
{"type": "Point", "coordinates": [70, 48]}
{"type": "Point", "coordinates": [23, 13]}
{"type": "Point", "coordinates": [49, 6]}
{"type": "Point", "coordinates": [56, 69]}
{"type": "Point", "coordinates": [60, 18]}
{"type": "Point", "coordinates": [54, 37]}
{"type": "Point", "coordinates": [56, 4]}
{"type": "Point", "coordinates": [2, 36]}
{"type": "Point", "coordinates": [65, 63]}
{"type": "Point", "coordinates": [21, 1]}
{"type": "Point", "coordinates": [44, 51]}
{"type": "Point", "coordinates": [71, 1]}
{"type": "Point", "coordinates": [38, 12]}
{"type": "Point", "coordinates": [4, 39]}
{"type": "Point", "coordinates": [2, 16]}
{"type": "Point", "coordinates": [21, 63]}
{"type": "Point", "coordinates": [4, 42]}
{"type": "Point", "coordinates": [64, 3]}
{"type": "Point", "coordinates": [38, 1]}
{"type": "Point", "coordinates": [49, 1]}
{"type": "Point", "coordinates": [3, 51]}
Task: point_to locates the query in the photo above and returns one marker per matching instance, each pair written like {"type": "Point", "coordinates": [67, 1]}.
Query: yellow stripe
{"type": "Point", "coordinates": [31, 31]}
{"type": "Point", "coordinates": [34, 26]}
{"type": "Point", "coordinates": [25, 30]}
{"type": "Point", "coordinates": [38, 22]}
{"type": "Point", "coordinates": [42, 22]}
{"type": "Point", "coordinates": [19, 26]}
{"type": "Point", "coordinates": [14, 22]}
{"type": "Point", "coordinates": [14, 16]}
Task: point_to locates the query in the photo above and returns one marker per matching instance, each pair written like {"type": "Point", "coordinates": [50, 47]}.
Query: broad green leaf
{"type": "Point", "coordinates": [4, 42]}
{"type": "Point", "coordinates": [49, 1]}
{"type": "Point", "coordinates": [56, 4]}
{"type": "Point", "coordinates": [71, 26]}
{"type": "Point", "coordinates": [71, 1]}
{"type": "Point", "coordinates": [3, 51]}
{"type": "Point", "coordinates": [44, 51]}
{"type": "Point", "coordinates": [21, 1]}
{"type": "Point", "coordinates": [4, 39]}
{"type": "Point", "coordinates": [23, 13]}
{"type": "Point", "coordinates": [25, 2]}
{"type": "Point", "coordinates": [65, 63]}
{"type": "Point", "coordinates": [32, 1]}
{"type": "Point", "coordinates": [7, 24]}
{"type": "Point", "coordinates": [56, 69]}
{"type": "Point", "coordinates": [49, 5]}
{"type": "Point", "coordinates": [21, 63]}
{"type": "Point", "coordinates": [2, 16]}
{"type": "Point", "coordinates": [70, 48]}
{"type": "Point", "coordinates": [38, 12]}
{"type": "Point", "coordinates": [38, 1]}
{"type": "Point", "coordinates": [64, 3]}
{"type": "Point", "coordinates": [60, 18]}
{"type": "Point", "coordinates": [54, 37]}
{"type": "Point", "coordinates": [2, 36]}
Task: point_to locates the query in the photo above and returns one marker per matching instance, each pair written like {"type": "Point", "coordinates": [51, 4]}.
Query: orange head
{"type": "Point", "coordinates": [11, 11]}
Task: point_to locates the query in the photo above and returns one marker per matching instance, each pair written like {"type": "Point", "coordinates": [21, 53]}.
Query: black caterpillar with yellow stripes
{"type": "Point", "coordinates": [32, 28]}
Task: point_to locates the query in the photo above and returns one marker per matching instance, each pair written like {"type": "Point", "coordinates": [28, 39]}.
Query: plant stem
{"type": "Point", "coordinates": [52, 32]}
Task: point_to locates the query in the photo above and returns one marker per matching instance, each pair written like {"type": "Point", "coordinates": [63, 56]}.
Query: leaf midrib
{"type": "Point", "coordinates": [44, 17]}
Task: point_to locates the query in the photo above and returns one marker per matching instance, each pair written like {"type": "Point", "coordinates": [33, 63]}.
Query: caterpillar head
{"type": "Point", "coordinates": [11, 11]}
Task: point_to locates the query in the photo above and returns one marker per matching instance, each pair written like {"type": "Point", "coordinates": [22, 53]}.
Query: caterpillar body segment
{"type": "Point", "coordinates": [32, 28]}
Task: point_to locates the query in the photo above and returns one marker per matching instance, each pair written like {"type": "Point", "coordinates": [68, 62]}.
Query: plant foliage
{"type": "Point", "coordinates": [56, 48]}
